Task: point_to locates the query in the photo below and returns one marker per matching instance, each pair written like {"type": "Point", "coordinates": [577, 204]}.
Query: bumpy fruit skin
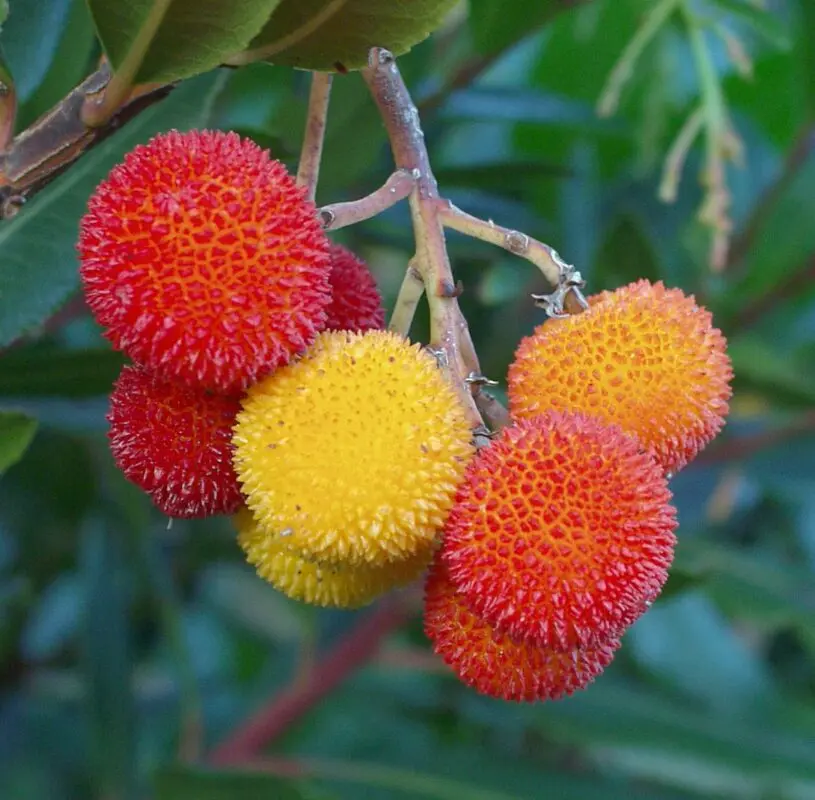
{"type": "Point", "coordinates": [357, 449]}
{"type": "Point", "coordinates": [356, 304]}
{"type": "Point", "coordinates": [495, 664]}
{"type": "Point", "coordinates": [204, 261]}
{"type": "Point", "coordinates": [318, 583]}
{"type": "Point", "coordinates": [561, 532]}
{"type": "Point", "coordinates": [175, 442]}
{"type": "Point", "coordinates": [644, 357]}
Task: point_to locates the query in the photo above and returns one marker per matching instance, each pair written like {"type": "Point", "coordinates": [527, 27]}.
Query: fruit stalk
{"type": "Point", "coordinates": [541, 255]}
{"type": "Point", "coordinates": [402, 123]}
{"type": "Point", "coordinates": [407, 300]}
{"type": "Point", "coordinates": [308, 171]}
{"type": "Point", "coordinates": [340, 215]}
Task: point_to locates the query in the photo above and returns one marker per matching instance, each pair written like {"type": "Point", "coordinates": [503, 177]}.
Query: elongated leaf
{"type": "Point", "coordinates": [653, 737]}
{"type": "Point", "coordinates": [192, 784]}
{"type": "Point", "coordinates": [764, 22]}
{"type": "Point", "coordinates": [334, 34]}
{"type": "Point", "coordinates": [745, 586]}
{"type": "Point", "coordinates": [38, 267]}
{"type": "Point", "coordinates": [41, 372]}
{"type": "Point", "coordinates": [106, 650]}
{"type": "Point", "coordinates": [497, 24]}
{"type": "Point", "coordinates": [73, 57]}
{"type": "Point", "coordinates": [186, 37]}
{"type": "Point", "coordinates": [16, 432]}
{"type": "Point", "coordinates": [527, 105]}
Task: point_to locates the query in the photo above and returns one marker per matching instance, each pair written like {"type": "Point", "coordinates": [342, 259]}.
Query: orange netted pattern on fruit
{"type": "Point", "coordinates": [356, 304]}
{"type": "Point", "coordinates": [175, 442]}
{"type": "Point", "coordinates": [494, 663]}
{"type": "Point", "coordinates": [204, 261]}
{"type": "Point", "coordinates": [644, 357]}
{"type": "Point", "coordinates": [561, 531]}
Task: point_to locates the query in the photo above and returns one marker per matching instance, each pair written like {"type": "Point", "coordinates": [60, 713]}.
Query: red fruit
{"type": "Point", "coordinates": [494, 663]}
{"type": "Point", "coordinates": [561, 532]}
{"type": "Point", "coordinates": [356, 304]}
{"type": "Point", "coordinates": [175, 442]}
{"type": "Point", "coordinates": [204, 260]}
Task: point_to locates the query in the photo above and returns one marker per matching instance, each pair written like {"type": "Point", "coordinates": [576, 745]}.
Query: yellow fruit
{"type": "Point", "coordinates": [317, 583]}
{"type": "Point", "coordinates": [355, 451]}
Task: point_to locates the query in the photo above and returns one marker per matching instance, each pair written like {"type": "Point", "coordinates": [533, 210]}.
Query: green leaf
{"type": "Point", "coordinates": [764, 22]}
{"type": "Point", "coordinates": [181, 38]}
{"type": "Point", "coordinates": [16, 432]}
{"type": "Point", "coordinates": [47, 372]}
{"type": "Point", "coordinates": [106, 652]}
{"type": "Point", "coordinates": [785, 241]}
{"type": "Point", "coordinates": [760, 368]}
{"type": "Point", "coordinates": [625, 255]}
{"type": "Point", "coordinates": [38, 268]}
{"type": "Point", "coordinates": [748, 587]}
{"type": "Point", "coordinates": [29, 40]}
{"type": "Point", "coordinates": [54, 620]}
{"type": "Point", "coordinates": [197, 784]}
{"type": "Point", "coordinates": [334, 34]}
{"type": "Point", "coordinates": [496, 24]}
{"type": "Point", "coordinates": [676, 743]}
{"type": "Point", "coordinates": [806, 50]}
{"type": "Point", "coordinates": [73, 59]}
{"type": "Point", "coordinates": [689, 643]}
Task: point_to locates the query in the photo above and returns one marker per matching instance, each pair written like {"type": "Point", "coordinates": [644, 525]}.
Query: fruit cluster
{"type": "Point", "coordinates": [562, 533]}
{"type": "Point", "coordinates": [264, 386]}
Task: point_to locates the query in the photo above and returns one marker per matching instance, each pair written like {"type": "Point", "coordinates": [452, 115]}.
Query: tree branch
{"type": "Point", "coordinates": [801, 149]}
{"type": "Point", "coordinates": [401, 120]}
{"type": "Point", "coordinates": [47, 148]}
{"type": "Point", "coordinates": [802, 277]}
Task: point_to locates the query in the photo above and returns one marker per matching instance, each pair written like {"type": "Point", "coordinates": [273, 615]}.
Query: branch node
{"type": "Point", "coordinates": [477, 379]}
{"type": "Point", "coordinates": [11, 205]}
{"type": "Point", "coordinates": [449, 289]}
{"type": "Point", "coordinates": [517, 242]}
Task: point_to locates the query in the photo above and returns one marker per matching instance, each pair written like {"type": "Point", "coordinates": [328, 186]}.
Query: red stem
{"type": "Point", "coordinates": [287, 707]}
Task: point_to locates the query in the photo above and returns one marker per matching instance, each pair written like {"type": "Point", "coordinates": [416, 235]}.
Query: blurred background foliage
{"type": "Point", "coordinates": [123, 639]}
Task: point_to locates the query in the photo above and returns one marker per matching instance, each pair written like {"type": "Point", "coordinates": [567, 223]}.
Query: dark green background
{"type": "Point", "coordinates": [115, 629]}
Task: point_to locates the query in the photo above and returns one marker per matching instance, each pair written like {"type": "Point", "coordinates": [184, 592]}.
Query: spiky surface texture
{"type": "Point", "coordinates": [495, 664]}
{"type": "Point", "coordinates": [356, 304]}
{"type": "Point", "coordinates": [319, 583]}
{"type": "Point", "coordinates": [175, 442]}
{"type": "Point", "coordinates": [357, 448]}
{"type": "Point", "coordinates": [645, 357]}
{"type": "Point", "coordinates": [561, 532]}
{"type": "Point", "coordinates": [204, 261]}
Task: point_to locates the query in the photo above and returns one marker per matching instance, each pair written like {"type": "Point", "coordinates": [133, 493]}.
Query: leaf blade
{"type": "Point", "coordinates": [16, 433]}
{"type": "Point", "coordinates": [189, 36]}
